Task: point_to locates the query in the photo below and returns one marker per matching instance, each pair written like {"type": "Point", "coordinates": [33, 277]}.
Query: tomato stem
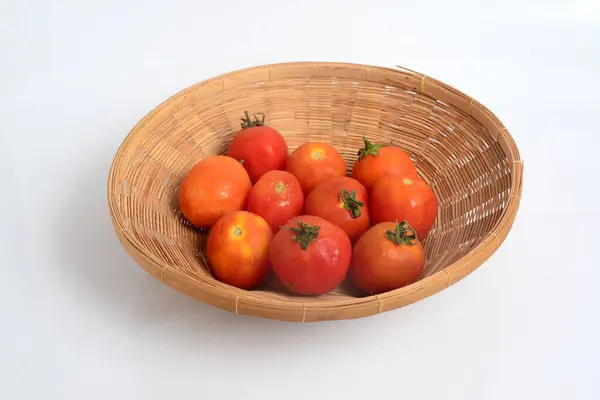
{"type": "Point", "coordinates": [305, 233]}
{"type": "Point", "coordinates": [351, 203]}
{"type": "Point", "coordinates": [370, 149]}
{"type": "Point", "coordinates": [249, 123]}
{"type": "Point", "coordinates": [403, 234]}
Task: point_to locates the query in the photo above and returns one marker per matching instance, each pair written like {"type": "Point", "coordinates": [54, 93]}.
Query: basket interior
{"type": "Point", "coordinates": [462, 161]}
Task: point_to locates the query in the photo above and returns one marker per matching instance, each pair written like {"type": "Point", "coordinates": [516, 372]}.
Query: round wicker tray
{"type": "Point", "coordinates": [460, 147]}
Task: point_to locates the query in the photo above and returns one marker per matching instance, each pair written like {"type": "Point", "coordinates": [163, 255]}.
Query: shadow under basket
{"type": "Point", "coordinates": [459, 147]}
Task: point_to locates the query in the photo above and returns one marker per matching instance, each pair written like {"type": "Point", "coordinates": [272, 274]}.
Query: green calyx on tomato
{"type": "Point", "coordinates": [305, 233]}
{"type": "Point", "coordinates": [403, 234]}
{"type": "Point", "coordinates": [370, 149]}
{"type": "Point", "coordinates": [351, 203]}
{"type": "Point", "coordinates": [249, 123]}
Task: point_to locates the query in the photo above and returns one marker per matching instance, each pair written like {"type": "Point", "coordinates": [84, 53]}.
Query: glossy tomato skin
{"type": "Point", "coordinates": [214, 187]}
{"type": "Point", "coordinates": [261, 148]}
{"type": "Point", "coordinates": [315, 162]}
{"type": "Point", "coordinates": [380, 265]}
{"type": "Point", "coordinates": [338, 200]}
{"type": "Point", "coordinates": [238, 249]}
{"type": "Point", "coordinates": [277, 197]}
{"type": "Point", "coordinates": [404, 197]}
{"type": "Point", "coordinates": [375, 161]}
{"type": "Point", "coordinates": [316, 269]}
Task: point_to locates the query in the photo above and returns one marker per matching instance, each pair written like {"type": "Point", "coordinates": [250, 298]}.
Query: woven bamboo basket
{"type": "Point", "coordinates": [459, 147]}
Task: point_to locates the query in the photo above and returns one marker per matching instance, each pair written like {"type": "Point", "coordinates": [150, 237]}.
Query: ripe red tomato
{"type": "Point", "coordinates": [214, 187]}
{"type": "Point", "coordinates": [310, 255]}
{"type": "Point", "coordinates": [404, 197]}
{"type": "Point", "coordinates": [376, 160]}
{"type": "Point", "coordinates": [238, 249]}
{"type": "Point", "coordinates": [314, 162]}
{"type": "Point", "coordinates": [343, 202]}
{"type": "Point", "coordinates": [258, 147]}
{"type": "Point", "coordinates": [387, 257]}
{"type": "Point", "coordinates": [277, 197]}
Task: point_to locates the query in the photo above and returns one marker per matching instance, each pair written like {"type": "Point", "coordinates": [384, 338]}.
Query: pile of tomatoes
{"type": "Point", "coordinates": [302, 217]}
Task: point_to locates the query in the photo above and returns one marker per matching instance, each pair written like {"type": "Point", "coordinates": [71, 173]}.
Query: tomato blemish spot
{"type": "Point", "coordinates": [407, 181]}
{"type": "Point", "coordinates": [280, 187]}
{"type": "Point", "coordinates": [237, 231]}
{"type": "Point", "coordinates": [317, 154]}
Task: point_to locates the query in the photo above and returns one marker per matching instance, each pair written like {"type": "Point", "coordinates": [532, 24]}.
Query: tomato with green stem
{"type": "Point", "coordinates": [310, 255]}
{"type": "Point", "coordinates": [258, 147]}
{"type": "Point", "coordinates": [342, 201]}
{"type": "Point", "coordinates": [387, 257]}
{"type": "Point", "coordinates": [376, 160]}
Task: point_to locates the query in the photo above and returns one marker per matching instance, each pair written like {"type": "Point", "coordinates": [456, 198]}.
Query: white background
{"type": "Point", "coordinates": [80, 320]}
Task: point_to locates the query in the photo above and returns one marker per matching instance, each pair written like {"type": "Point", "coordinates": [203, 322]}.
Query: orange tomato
{"type": "Point", "coordinates": [342, 201]}
{"type": "Point", "coordinates": [376, 160]}
{"type": "Point", "coordinates": [277, 197]}
{"type": "Point", "coordinates": [314, 162]}
{"type": "Point", "coordinates": [405, 197]}
{"type": "Point", "coordinates": [238, 249]}
{"type": "Point", "coordinates": [387, 257]}
{"type": "Point", "coordinates": [214, 187]}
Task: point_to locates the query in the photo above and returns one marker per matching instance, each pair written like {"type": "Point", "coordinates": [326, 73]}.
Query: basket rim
{"type": "Point", "coordinates": [420, 82]}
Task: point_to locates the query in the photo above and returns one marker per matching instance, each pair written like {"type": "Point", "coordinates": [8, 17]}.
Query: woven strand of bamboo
{"type": "Point", "coordinates": [459, 147]}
